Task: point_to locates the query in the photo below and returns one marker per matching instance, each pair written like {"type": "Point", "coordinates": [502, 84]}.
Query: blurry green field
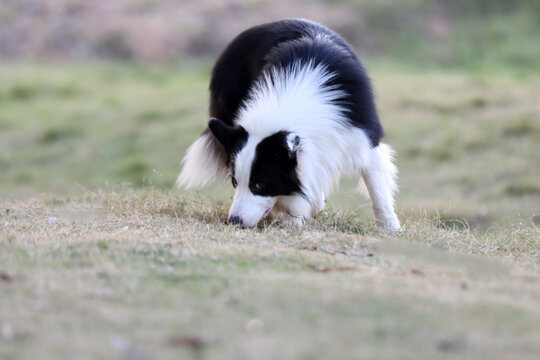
{"type": "Point", "coordinates": [467, 143]}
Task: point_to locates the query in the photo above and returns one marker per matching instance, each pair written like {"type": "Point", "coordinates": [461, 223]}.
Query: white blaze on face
{"type": "Point", "coordinates": [248, 207]}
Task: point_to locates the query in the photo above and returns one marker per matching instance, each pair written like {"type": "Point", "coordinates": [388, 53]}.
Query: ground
{"type": "Point", "coordinates": [142, 274]}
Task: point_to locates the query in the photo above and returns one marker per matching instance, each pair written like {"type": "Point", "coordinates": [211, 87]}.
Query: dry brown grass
{"type": "Point", "coordinates": [146, 274]}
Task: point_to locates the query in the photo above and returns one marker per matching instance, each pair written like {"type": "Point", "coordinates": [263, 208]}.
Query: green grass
{"type": "Point", "coordinates": [466, 141]}
{"type": "Point", "coordinates": [91, 124]}
{"type": "Point", "coordinates": [145, 274]}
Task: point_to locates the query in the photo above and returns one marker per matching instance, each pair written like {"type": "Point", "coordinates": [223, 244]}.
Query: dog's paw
{"type": "Point", "coordinates": [391, 224]}
{"type": "Point", "coordinates": [292, 221]}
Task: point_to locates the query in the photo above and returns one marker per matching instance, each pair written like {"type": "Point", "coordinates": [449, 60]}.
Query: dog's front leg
{"type": "Point", "coordinates": [292, 210]}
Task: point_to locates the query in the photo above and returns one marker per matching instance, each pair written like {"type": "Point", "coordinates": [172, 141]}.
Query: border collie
{"type": "Point", "coordinates": [291, 112]}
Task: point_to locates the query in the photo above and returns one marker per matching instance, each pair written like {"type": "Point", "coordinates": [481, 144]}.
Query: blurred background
{"type": "Point", "coordinates": [458, 33]}
{"type": "Point", "coordinates": [109, 94]}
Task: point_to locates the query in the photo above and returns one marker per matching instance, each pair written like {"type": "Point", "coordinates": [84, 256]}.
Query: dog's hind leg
{"type": "Point", "coordinates": [380, 176]}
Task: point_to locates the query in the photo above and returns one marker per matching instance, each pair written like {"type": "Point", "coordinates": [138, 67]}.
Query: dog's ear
{"type": "Point", "coordinates": [228, 136]}
{"type": "Point", "coordinates": [292, 143]}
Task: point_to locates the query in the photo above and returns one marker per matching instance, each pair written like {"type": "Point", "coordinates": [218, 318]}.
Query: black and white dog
{"type": "Point", "coordinates": [292, 111]}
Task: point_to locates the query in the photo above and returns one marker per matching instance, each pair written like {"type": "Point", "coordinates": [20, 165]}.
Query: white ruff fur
{"type": "Point", "coordinates": [296, 100]}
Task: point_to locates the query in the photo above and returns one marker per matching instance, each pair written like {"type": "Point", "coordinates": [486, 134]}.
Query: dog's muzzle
{"type": "Point", "coordinates": [235, 220]}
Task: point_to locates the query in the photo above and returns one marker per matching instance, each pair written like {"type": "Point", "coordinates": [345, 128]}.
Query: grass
{"type": "Point", "coordinates": [139, 274]}
{"type": "Point", "coordinates": [94, 124]}
{"type": "Point", "coordinates": [466, 141]}
{"type": "Point", "coordinates": [132, 269]}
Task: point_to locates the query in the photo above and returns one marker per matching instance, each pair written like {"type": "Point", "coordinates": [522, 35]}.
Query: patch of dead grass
{"type": "Point", "coordinates": [102, 273]}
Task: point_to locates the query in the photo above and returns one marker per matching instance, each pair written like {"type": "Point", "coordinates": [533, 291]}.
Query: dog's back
{"type": "Point", "coordinates": [279, 45]}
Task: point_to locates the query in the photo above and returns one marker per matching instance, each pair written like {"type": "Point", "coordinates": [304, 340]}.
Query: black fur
{"type": "Point", "coordinates": [273, 171]}
{"type": "Point", "coordinates": [279, 44]}
{"type": "Point", "coordinates": [232, 138]}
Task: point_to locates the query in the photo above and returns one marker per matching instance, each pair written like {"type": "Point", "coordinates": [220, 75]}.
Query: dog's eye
{"type": "Point", "coordinates": [234, 182]}
{"type": "Point", "coordinates": [258, 186]}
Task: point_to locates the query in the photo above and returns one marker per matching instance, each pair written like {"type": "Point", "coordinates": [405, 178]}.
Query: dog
{"type": "Point", "coordinates": [292, 111]}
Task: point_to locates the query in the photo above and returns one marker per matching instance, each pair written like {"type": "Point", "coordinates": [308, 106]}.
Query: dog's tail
{"type": "Point", "coordinates": [203, 164]}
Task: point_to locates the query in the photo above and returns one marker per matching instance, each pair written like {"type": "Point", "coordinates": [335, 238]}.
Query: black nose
{"type": "Point", "coordinates": [235, 220]}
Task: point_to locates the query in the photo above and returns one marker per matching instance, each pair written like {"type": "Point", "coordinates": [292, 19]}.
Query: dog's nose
{"type": "Point", "coordinates": [235, 220]}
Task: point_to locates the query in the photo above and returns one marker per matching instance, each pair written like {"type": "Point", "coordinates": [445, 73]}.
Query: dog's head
{"type": "Point", "coordinates": [262, 169]}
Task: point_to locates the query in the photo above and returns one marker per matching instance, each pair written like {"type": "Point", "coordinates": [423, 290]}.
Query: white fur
{"type": "Point", "coordinates": [380, 177]}
{"type": "Point", "coordinates": [249, 207]}
{"type": "Point", "coordinates": [202, 165]}
{"type": "Point", "coordinates": [296, 100]}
